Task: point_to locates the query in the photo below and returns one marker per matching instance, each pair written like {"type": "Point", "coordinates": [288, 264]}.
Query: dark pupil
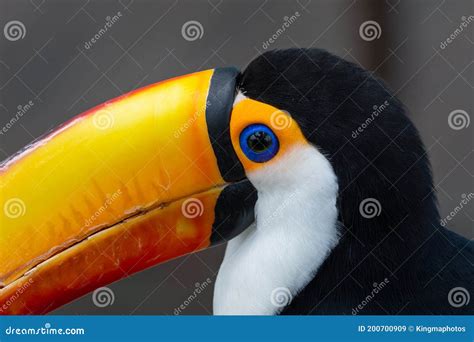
{"type": "Point", "coordinates": [259, 141]}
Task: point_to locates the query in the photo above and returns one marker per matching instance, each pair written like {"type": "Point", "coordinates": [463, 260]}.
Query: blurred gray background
{"type": "Point", "coordinates": [51, 67]}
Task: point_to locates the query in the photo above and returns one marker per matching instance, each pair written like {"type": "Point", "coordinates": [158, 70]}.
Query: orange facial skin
{"type": "Point", "coordinates": [248, 112]}
{"type": "Point", "coordinates": [103, 195]}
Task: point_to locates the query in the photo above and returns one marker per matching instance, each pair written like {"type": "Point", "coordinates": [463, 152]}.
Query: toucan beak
{"type": "Point", "coordinates": [136, 181]}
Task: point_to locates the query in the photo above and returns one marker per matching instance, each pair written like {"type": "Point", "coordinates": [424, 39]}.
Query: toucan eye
{"type": "Point", "coordinates": [259, 143]}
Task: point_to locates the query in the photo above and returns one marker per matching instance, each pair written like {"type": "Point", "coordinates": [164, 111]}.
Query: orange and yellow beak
{"type": "Point", "coordinates": [136, 181]}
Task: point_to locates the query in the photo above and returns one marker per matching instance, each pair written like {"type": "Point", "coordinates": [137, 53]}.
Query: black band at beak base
{"type": "Point", "coordinates": [234, 211]}
{"type": "Point", "coordinates": [218, 111]}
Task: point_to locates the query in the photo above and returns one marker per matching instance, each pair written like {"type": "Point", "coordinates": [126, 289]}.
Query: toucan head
{"type": "Point", "coordinates": [178, 166]}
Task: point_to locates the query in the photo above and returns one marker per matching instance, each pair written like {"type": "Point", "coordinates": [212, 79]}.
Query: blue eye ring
{"type": "Point", "coordinates": [259, 143]}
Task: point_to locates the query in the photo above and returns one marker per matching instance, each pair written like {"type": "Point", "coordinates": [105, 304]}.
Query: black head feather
{"type": "Point", "coordinates": [376, 152]}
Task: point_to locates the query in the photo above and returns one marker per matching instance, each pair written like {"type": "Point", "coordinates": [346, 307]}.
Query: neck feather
{"type": "Point", "coordinates": [295, 230]}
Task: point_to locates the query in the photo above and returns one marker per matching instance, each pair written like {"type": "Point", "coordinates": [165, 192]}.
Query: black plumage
{"type": "Point", "coordinates": [384, 159]}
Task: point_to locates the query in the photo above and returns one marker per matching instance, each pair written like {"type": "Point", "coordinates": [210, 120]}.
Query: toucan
{"type": "Point", "coordinates": [305, 163]}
